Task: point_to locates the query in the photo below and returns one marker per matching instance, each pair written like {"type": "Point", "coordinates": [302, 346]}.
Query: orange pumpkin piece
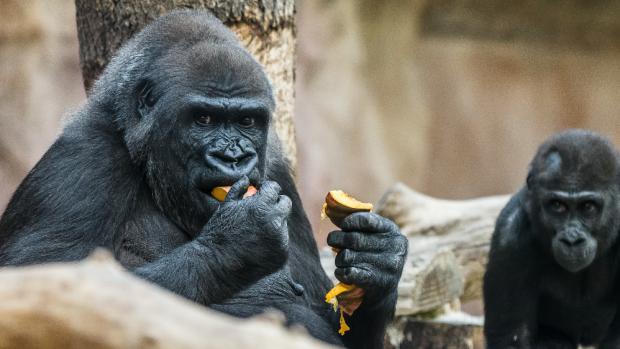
{"type": "Point", "coordinates": [338, 205]}
{"type": "Point", "coordinates": [220, 193]}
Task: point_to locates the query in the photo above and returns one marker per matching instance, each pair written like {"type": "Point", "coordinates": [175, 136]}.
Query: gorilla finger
{"type": "Point", "coordinates": [354, 275]}
{"type": "Point", "coordinates": [270, 190]}
{"type": "Point", "coordinates": [368, 222]}
{"type": "Point", "coordinates": [345, 240]}
{"type": "Point", "coordinates": [380, 261]}
{"type": "Point", "coordinates": [358, 241]}
{"type": "Point", "coordinates": [344, 258]}
{"type": "Point", "coordinates": [284, 205]}
{"type": "Point", "coordinates": [238, 189]}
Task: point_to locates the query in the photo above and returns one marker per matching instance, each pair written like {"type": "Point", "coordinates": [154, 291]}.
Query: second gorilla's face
{"type": "Point", "coordinates": [208, 118]}
{"type": "Point", "coordinates": [575, 212]}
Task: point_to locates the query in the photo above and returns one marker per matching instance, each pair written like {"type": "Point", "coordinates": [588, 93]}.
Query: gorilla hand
{"type": "Point", "coordinates": [252, 232]}
{"type": "Point", "coordinates": [372, 255]}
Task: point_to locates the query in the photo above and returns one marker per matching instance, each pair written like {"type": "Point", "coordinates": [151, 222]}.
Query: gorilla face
{"type": "Point", "coordinates": [206, 116]}
{"type": "Point", "coordinates": [574, 221]}
{"type": "Point", "coordinates": [572, 200]}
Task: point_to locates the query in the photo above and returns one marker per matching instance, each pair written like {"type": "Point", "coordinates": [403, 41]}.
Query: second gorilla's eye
{"type": "Point", "coordinates": [558, 206]}
{"type": "Point", "coordinates": [204, 119]}
{"type": "Point", "coordinates": [589, 207]}
{"type": "Point", "coordinates": [247, 121]}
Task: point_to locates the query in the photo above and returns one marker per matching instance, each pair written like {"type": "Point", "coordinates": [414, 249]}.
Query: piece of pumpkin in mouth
{"type": "Point", "coordinates": [220, 193]}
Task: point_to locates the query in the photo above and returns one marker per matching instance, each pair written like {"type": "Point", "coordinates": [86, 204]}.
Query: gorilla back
{"type": "Point", "coordinates": [181, 109]}
{"type": "Point", "coordinates": [553, 275]}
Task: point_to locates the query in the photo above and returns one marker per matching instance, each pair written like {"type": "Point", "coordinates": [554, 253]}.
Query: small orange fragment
{"type": "Point", "coordinates": [220, 193]}
{"type": "Point", "coordinates": [338, 205]}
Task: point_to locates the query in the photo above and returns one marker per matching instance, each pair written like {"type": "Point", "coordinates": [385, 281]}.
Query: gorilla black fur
{"type": "Point", "coordinates": [553, 275]}
{"type": "Point", "coordinates": [180, 109]}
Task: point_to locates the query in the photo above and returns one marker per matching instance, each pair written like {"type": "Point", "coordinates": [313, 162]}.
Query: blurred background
{"type": "Point", "coordinates": [451, 97]}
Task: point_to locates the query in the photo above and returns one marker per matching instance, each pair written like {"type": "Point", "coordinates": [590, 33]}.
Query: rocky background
{"type": "Point", "coordinates": [450, 97]}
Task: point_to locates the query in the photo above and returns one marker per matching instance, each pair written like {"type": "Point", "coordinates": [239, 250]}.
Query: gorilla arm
{"type": "Point", "coordinates": [244, 240]}
{"type": "Point", "coordinates": [613, 335]}
{"type": "Point", "coordinates": [509, 282]}
{"type": "Point", "coordinates": [372, 255]}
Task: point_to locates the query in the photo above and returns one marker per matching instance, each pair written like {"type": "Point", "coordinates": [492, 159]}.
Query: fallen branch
{"type": "Point", "coordinates": [96, 304]}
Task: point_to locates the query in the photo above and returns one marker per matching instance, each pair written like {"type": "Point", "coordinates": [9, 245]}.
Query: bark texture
{"type": "Point", "coordinates": [96, 304]}
{"type": "Point", "coordinates": [454, 331]}
{"type": "Point", "coordinates": [265, 27]}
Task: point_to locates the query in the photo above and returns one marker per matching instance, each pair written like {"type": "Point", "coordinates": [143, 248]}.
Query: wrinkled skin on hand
{"type": "Point", "coordinates": [372, 255]}
{"type": "Point", "coordinates": [254, 227]}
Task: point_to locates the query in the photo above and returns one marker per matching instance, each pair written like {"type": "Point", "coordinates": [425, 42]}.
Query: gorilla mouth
{"type": "Point", "coordinates": [574, 259]}
{"type": "Point", "coordinates": [207, 184]}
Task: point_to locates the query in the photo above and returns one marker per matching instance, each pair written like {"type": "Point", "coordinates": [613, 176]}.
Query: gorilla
{"type": "Point", "coordinates": [183, 108]}
{"type": "Point", "coordinates": [552, 279]}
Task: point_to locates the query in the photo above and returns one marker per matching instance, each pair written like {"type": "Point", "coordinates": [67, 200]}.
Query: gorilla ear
{"type": "Point", "coordinates": [146, 100]}
{"type": "Point", "coordinates": [529, 180]}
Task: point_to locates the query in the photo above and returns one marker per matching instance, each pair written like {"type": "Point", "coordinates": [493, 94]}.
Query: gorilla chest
{"type": "Point", "coordinates": [277, 291]}
{"type": "Point", "coordinates": [581, 307]}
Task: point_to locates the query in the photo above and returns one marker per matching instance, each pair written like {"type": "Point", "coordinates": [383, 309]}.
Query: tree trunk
{"type": "Point", "coordinates": [265, 27]}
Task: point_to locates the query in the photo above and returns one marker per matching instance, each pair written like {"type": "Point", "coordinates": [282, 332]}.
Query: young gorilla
{"type": "Point", "coordinates": [552, 279]}
{"type": "Point", "coordinates": [181, 109]}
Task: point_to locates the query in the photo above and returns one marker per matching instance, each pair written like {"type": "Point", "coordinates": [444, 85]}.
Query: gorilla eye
{"type": "Point", "coordinates": [204, 119]}
{"type": "Point", "coordinates": [247, 121]}
{"type": "Point", "coordinates": [589, 207]}
{"type": "Point", "coordinates": [557, 206]}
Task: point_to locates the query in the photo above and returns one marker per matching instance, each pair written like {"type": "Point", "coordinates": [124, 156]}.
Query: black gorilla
{"type": "Point", "coordinates": [553, 275]}
{"type": "Point", "coordinates": [181, 109]}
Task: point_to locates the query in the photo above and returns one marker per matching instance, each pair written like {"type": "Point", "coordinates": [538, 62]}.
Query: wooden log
{"type": "Point", "coordinates": [452, 235]}
{"type": "Point", "coordinates": [96, 304]}
{"type": "Point", "coordinates": [450, 331]}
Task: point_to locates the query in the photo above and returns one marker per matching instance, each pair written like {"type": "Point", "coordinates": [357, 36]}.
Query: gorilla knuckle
{"type": "Point", "coordinates": [284, 204]}
{"type": "Point", "coordinates": [401, 245]}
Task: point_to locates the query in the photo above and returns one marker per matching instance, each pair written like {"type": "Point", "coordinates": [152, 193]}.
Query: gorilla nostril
{"type": "Point", "coordinates": [573, 242]}
{"type": "Point", "coordinates": [226, 157]}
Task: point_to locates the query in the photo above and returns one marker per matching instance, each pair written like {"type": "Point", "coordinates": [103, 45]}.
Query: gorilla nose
{"type": "Point", "coordinates": [231, 157]}
{"type": "Point", "coordinates": [233, 162]}
{"type": "Point", "coordinates": [572, 241]}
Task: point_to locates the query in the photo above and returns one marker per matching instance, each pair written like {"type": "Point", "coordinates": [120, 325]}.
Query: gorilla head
{"type": "Point", "coordinates": [572, 191]}
{"type": "Point", "coordinates": [194, 112]}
